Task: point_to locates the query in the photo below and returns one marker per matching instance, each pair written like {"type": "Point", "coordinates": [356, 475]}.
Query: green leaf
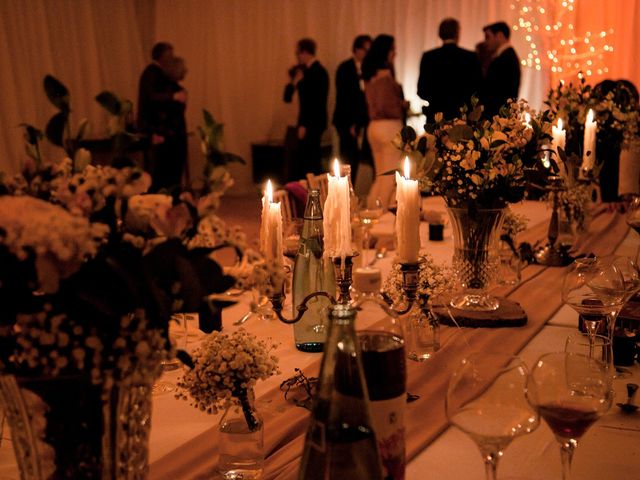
{"type": "Point", "coordinates": [459, 133]}
{"type": "Point", "coordinates": [388, 172]}
{"type": "Point", "coordinates": [55, 128]}
{"type": "Point", "coordinates": [476, 113]}
{"type": "Point", "coordinates": [497, 143]}
{"type": "Point", "coordinates": [57, 93]}
{"type": "Point", "coordinates": [408, 134]}
{"type": "Point", "coordinates": [208, 118]}
{"type": "Point", "coordinates": [82, 128]}
{"type": "Point", "coordinates": [32, 134]}
{"type": "Point", "coordinates": [109, 101]}
{"type": "Point", "coordinates": [185, 358]}
{"type": "Point", "coordinates": [233, 158]}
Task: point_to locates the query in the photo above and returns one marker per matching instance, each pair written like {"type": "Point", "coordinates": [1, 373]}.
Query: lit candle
{"type": "Point", "coordinates": [337, 216]}
{"type": "Point", "coordinates": [589, 145]}
{"type": "Point", "coordinates": [271, 227]}
{"type": "Point", "coordinates": [407, 216]}
{"type": "Point", "coordinates": [559, 140]}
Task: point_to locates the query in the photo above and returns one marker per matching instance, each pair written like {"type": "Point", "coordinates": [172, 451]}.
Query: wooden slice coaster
{"type": "Point", "coordinates": [508, 314]}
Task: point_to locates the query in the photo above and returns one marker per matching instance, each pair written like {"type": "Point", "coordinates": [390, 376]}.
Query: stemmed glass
{"type": "Point", "coordinates": [368, 217]}
{"type": "Point", "coordinates": [570, 392]}
{"type": "Point", "coordinates": [596, 290]}
{"type": "Point", "coordinates": [633, 219]}
{"type": "Point", "coordinates": [486, 400]}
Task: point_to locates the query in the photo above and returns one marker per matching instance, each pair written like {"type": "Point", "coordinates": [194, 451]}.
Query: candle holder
{"type": "Point", "coordinates": [344, 279]}
{"type": "Point", "coordinates": [551, 254]}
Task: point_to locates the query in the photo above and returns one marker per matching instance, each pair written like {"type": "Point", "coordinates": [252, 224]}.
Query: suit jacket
{"type": "Point", "coordinates": [449, 77]}
{"type": "Point", "coordinates": [154, 94]}
{"type": "Point", "coordinates": [313, 91]}
{"type": "Point", "coordinates": [501, 83]}
{"type": "Point", "coordinates": [351, 104]}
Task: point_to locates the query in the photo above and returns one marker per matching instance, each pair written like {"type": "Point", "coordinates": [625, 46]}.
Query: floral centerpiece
{"type": "Point", "coordinates": [615, 107]}
{"type": "Point", "coordinates": [479, 166]}
{"type": "Point", "coordinates": [93, 269]}
{"type": "Point", "coordinates": [475, 162]}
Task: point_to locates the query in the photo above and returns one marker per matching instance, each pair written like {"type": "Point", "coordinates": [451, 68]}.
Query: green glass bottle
{"type": "Point", "coordinates": [312, 272]}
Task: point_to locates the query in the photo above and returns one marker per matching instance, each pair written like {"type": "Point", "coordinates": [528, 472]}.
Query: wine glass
{"type": "Point", "coordinates": [486, 400]}
{"type": "Point", "coordinates": [601, 348]}
{"type": "Point", "coordinates": [633, 220]}
{"type": "Point", "coordinates": [594, 289]}
{"type": "Point", "coordinates": [570, 392]}
{"type": "Point", "coordinates": [369, 215]}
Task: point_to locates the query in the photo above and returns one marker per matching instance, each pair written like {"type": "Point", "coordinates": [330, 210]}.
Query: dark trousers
{"type": "Point", "coordinates": [308, 158]}
{"type": "Point", "coordinates": [349, 151]}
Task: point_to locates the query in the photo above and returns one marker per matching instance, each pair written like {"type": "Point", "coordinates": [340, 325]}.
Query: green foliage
{"type": "Point", "coordinates": [110, 102]}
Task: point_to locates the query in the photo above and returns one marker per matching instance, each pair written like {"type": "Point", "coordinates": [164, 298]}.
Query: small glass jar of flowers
{"type": "Point", "coordinates": [225, 369]}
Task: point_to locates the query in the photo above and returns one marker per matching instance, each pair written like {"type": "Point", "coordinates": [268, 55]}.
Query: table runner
{"type": "Point", "coordinates": [285, 425]}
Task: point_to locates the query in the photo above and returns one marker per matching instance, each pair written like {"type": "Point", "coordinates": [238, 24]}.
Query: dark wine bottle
{"type": "Point", "coordinates": [340, 442]}
{"type": "Point", "coordinates": [312, 273]}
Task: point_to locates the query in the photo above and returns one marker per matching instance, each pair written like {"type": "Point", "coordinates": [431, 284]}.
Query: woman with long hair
{"type": "Point", "coordinates": [387, 109]}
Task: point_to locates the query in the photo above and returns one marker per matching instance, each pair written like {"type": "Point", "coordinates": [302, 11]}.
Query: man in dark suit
{"type": "Point", "coordinates": [311, 80]}
{"type": "Point", "coordinates": [350, 116]}
{"type": "Point", "coordinates": [503, 75]}
{"type": "Point", "coordinates": [449, 75]}
{"type": "Point", "coordinates": [156, 94]}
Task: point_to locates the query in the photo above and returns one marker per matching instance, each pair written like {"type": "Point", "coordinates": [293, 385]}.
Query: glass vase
{"type": "Point", "coordinates": [421, 332]}
{"type": "Point", "coordinates": [241, 443]}
{"type": "Point", "coordinates": [71, 427]}
{"type": "Point", "coordinates": [475, 258]}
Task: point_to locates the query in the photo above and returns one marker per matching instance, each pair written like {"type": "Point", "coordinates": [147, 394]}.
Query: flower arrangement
{"type": "Point", "coordinates": [225, 369]}
{"type": "Point", "coordinates": [513, 223]}
{"type": "Point", "coordinates": [471, 160]}
{"type": "Point", "coordinates": [433, 279]}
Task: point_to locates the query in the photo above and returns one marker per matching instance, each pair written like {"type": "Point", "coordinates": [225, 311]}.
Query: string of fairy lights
{"type": "Point", "coordinates": [554, 41]}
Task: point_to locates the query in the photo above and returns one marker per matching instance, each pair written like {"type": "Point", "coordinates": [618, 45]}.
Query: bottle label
{"type": "Point", "coordinates": [387, 418]}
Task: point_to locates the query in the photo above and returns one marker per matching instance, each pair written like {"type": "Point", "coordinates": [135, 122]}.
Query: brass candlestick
{"type": "Point", "coordinates": [551, 254]}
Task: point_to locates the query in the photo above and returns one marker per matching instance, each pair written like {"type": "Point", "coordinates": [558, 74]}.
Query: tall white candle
{"type": "Point", "coordinates": [337, 216]}
{"type": "Point", "coordinates": [589, 145]}
{"type": "Point", "coordinates": [271, 227]}
{"type": "Point", "coordinates": [559, 140]}
{"type": "Point", "coordinates": [407, 216]}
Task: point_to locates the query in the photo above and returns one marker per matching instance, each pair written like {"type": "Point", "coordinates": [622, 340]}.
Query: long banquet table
{"type": "Point", "coordinates": [183, 439]}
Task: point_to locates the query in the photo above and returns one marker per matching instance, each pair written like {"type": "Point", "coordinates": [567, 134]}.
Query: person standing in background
{"type": "Point", "coordinates": [503, 75]}
{"type": "Point", "coordinates": [155, 94]}
{"type": "Point", "coordinates": [387, 110]}
{"type": "Point", "coordinates": [311, 80]}
{"type": "Point", "coordinates": [449, 75]}
{"type": "Point", "coordinates": [350, 115]}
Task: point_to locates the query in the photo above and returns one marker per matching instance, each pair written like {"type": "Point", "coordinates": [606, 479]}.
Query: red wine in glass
{"type": "Point", "coordinates": [568, 421]}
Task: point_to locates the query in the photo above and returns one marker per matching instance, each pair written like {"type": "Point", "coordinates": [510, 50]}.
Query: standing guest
{"type": "Point", "coordinates": [154, 94]}
{"type": "Point", "coordinates": [387, 109]}
{"type": "Point", "coordinates": [171, 154]}
{"type": "Point", "coordinates": [311, 81]}
{"type": "Point", "coordinates": [503, 75]}
{"type": "Point", "coordinates": [484, 57]}
{"type": "Point", "coordinates": [350, 115]}
{"type": "Point", "coordinates": [449, 75]}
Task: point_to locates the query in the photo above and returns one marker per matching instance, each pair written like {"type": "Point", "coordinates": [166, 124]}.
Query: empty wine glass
{"type": "Point", "coordinates": [369, 215]}
{"type": "Point", "coordinates": [486, 400]}
{"type": "Point", "coordinates": [594, 289]}
{"type": "Point", "coordinates": [601, 348]}
{"type": "Point", "coordinates": [633, 220]}
{"type": "Point", "coordinates": [570, 392]}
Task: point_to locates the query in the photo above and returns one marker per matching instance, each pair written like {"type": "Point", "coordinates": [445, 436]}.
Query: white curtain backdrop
{"type": "Point", "coordinates": [238, 53]}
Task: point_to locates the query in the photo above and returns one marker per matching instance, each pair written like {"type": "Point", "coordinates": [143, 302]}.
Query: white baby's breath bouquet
{"type": "Point", "coordinates": [225, 369]}
{"type": "Point", "coordinates": [433, 280]}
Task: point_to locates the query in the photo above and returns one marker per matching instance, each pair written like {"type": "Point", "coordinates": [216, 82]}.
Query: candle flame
{"type": "Point", "coordinates": [590, 116]}
{"type": "Point", "coordinates": [336, 167]}
{"type": "Point", "coordinates": [527, 119]}
{"type": "Point", "coordinates": [560, 125]}
{"type": "Point", "coordinates": [269, 191]}
{"type": "Point", "coordinates": [407, 168]}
